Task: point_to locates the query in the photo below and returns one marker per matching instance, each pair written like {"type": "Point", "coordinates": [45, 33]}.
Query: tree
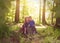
{"type": "Point", "coordinates": [17, 11]}
{"type": "Point", "coordinates": [52, 15]}
{"type": "Point", "coordinates": [5, 6]}
{"type": "Point", "coordinates": [50, 4]}
{"type": "Point", "coordinates": [43, 15]}
{"type": "Point", "coordinates": [40, 13]}
{"type": "Point", "coordinates": [57, 12]}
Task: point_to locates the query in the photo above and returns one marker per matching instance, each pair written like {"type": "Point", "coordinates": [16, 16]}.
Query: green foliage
{"type": "Point", "coordinates": [50, 34]}
{"type": "Point", "coordinates": [4, 31]}
{"type": "Point", "coordinates": [4, 9]}
{"type": "Point", "coordinates": [46, 35]}
{"type": "Point", "coordinates": [24, 10]}
{"type": "Point", "coordinates": [56, 8]}
{"type": "Point", "coordinates": [10, 17]}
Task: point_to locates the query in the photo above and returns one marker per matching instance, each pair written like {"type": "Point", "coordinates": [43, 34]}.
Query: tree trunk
{"type": "Point", "coordinates": [52, 19]}
{"type": "Point", "coordinates": [17, 11]}
{"type": "Point", "coordinates": [43, 15]}
{"type": "Point", "coordinates": [40, 13]}
{"type": "Point", "coordinates": [52, 16]}
{"type": "Point", "coordinates": [58, 22]}
{"type": "Point", "coordinates": [57, 13]}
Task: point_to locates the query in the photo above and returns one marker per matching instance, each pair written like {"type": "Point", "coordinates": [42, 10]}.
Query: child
{"type": "Point", "coordinates": [32, 25]}
{"type": "Point", "coordinates": [31, 22]}
{"type": "Point", "coordinates": [25, 25]}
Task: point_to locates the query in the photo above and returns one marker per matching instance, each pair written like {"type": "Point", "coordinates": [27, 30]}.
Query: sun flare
{"type": "Point", "coordinates": [32, 8]}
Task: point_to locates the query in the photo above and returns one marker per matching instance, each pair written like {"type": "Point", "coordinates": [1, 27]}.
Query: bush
{"type": "Point", "coordinates": [4, 30]}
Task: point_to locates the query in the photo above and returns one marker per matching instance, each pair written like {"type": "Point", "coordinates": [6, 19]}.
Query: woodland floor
{"type": "Point", "coordinates": [46, 34]}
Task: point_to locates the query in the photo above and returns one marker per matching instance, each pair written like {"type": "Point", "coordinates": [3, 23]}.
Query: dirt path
{"type": "Point", "coordinates": [34, 39]}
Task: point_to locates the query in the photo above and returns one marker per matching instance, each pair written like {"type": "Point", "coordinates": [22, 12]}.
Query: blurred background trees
{"type": "Point", "coordinates": [5, 6]}
{"type": "Point", "coordinates": [57, 12]}
{"type": "Point", "coordinates": [42, 11]}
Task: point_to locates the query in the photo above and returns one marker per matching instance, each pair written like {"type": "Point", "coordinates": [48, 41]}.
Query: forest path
{"type": "Point", "coordinates": [37, 38]}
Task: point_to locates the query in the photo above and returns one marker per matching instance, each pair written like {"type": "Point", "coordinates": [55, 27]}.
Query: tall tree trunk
{"type": "Point", "coordinates": [52, 19]}
{"type": "Point", "coordinates": [52, 16]}
{"type": "Point", "coordinates": [40, 13]}
{"type": "Point", "coordinates": [57, 13]}
{"type": "Point", "coordinates": [17, 11]}
{"type": "Point", "coordinates": [58, 22]}
{"type": "Point", "coordinates": [43, 15]}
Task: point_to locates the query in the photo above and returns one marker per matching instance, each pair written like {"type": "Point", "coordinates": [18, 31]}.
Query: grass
{"type": "Point", "coordinates": [45, 35]}
{"type": "Point", "coordinates": [50, 35]}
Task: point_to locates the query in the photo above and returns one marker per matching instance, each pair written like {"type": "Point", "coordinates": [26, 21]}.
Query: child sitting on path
{"type": "Point", "coordinates": [32, 25]}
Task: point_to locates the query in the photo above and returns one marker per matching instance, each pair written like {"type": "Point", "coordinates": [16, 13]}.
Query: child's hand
{"type": "Point", "coordinates": [25, 31]}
